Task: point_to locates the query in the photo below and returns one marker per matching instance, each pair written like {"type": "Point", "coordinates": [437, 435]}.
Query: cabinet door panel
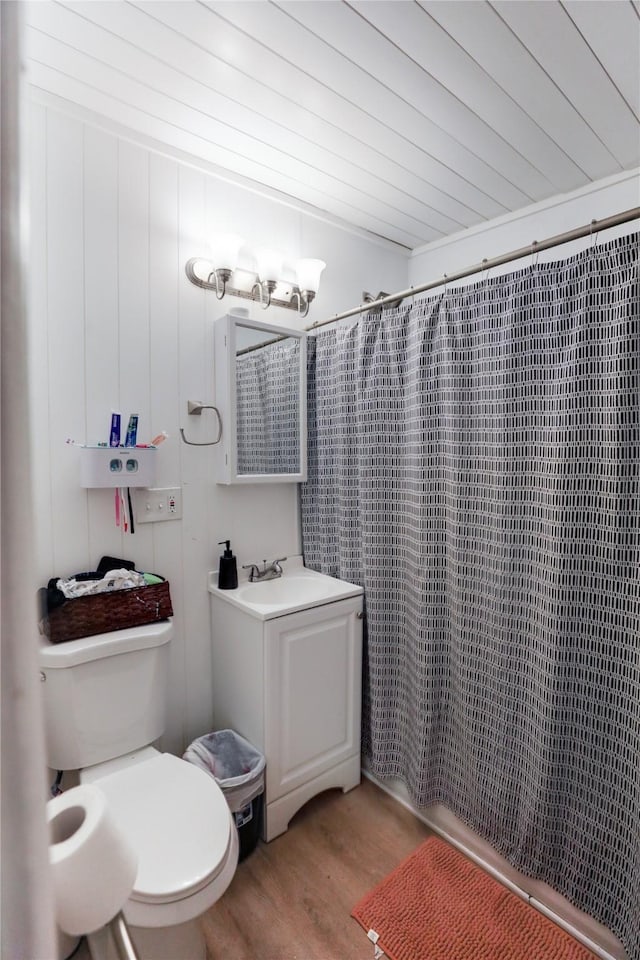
{"type": "Point", "coordinates": [313, 694]}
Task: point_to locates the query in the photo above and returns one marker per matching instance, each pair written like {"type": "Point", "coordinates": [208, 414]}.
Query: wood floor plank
{"type": "Point", "coordinates": [291, 899]}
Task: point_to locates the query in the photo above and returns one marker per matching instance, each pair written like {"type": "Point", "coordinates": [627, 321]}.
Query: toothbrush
{"type": "Point", "coordinates": [117, 506]}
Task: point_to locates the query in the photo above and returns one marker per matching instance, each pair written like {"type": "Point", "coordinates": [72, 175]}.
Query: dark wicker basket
{"type": "Point", "coordinates": [103, 612]}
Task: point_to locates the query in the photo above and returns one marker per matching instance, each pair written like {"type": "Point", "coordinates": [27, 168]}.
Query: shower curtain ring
{"type": "Point", "coordinates": [534, 254]}
{"type": "Point", "coordinates": [593, 236]}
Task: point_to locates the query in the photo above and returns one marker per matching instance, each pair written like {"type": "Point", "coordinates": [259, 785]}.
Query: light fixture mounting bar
{"type": "Point", "coordinates": [189, 269]}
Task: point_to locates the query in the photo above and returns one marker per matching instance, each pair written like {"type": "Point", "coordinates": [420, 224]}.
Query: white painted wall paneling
{"type": "Point", "coordinates": [546, 219]}
{"type": "Point", "coordinates": [195, 383]}
{"type": "Point", "coordinates": [117, 325]}
{"type": "Point", "coordinates": [409, 120]}
{"type": "Point", "coordinates": [166, 131]}
{"type": "Point", "coordinates": [67, 407]}
{"type": "Point", "coordinates": [327, 116]}
{"type": "Point", "coordinates": [184, 72]}
{"type": "Point", "coordinates": [168, 548]}
{"type": "Point", "coordinates": [101, 320]}
{"type": "Point", "coordinates": [162, 91]}
{"type": "Point", "coordinates": [126, 98]}
{"type": "Point", "coordinates": [39, 340]}
{"type": "Point", "coordinates": [276, 101]}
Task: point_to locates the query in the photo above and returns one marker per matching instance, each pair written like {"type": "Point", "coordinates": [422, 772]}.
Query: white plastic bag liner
{"type": "Point", "coordinates": [236, 765]}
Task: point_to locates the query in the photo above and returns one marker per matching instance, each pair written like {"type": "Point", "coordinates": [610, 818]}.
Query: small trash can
{"type": "Point", "coordinates": [238, 768]}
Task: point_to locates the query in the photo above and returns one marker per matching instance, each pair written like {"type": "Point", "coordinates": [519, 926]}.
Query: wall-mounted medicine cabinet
{"type": "Point", "coordinates": [261, 392]}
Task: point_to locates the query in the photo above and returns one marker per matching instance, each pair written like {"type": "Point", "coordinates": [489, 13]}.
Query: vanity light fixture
{"type": "Point", "coordinates": [269, 265]}
{"type": "Point", "coordinates": [266, 285]}
{"type": "Point", "coordinates": [225, 250]}
{"type": "Point", "coordinates": [308, 273]}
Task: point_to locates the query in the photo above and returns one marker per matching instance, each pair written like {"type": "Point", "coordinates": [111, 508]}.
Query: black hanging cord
{"type": "Point", "coordinates": [133, 529]}
{"type": "Point", "coordinates": [75, 949]}
{"type": "Point", "coordinates": [55, 786]}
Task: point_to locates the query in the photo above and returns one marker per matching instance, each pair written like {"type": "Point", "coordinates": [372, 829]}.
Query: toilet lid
{"type": "Point", "coordinates": [176, 818]}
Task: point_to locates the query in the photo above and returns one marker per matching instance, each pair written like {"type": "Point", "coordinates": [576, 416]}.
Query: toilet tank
{"type": "Point", "coordinates": [104, 696]}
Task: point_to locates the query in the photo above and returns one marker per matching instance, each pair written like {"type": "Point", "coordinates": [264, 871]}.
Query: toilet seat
{"type": "Point", "coordinates": [178, 821]}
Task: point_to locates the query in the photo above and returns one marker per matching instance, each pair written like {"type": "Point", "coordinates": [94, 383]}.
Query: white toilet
{"type": "Point", "coordinates": [105, 704]}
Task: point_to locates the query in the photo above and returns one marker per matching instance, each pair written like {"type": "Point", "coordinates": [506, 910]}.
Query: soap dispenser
{"type": "Point", "coordinates": [227, 568]}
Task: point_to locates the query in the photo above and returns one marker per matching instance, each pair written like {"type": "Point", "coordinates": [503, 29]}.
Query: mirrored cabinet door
{"type": "Point", "coordinates": [261, 393]}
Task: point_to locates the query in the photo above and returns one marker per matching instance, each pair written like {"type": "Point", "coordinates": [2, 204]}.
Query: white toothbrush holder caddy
{"type": "Point", "coordinates": [117, 467]}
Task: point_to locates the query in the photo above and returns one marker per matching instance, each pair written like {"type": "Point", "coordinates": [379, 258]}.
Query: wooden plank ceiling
{"type": "Point", "coordinates": [411, 120]}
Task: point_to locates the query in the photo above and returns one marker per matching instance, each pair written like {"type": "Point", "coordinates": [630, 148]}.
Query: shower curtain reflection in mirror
{"type": "Point", "coordinates": [268, 407]}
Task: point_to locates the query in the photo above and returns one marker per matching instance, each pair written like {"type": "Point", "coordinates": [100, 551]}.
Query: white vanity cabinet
{"type": "Point", "coordinates": [291, 685]}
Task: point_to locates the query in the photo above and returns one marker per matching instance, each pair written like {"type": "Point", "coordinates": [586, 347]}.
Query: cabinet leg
{"type": "Point", "coordinates": [276, 815]}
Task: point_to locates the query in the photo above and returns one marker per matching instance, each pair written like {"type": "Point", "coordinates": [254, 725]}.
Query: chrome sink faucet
{"type": "Point", "coordinates": [269, 571]}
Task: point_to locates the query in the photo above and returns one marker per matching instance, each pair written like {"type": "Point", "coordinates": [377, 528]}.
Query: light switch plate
{"type": "Point", "coordinates": [158, 503]}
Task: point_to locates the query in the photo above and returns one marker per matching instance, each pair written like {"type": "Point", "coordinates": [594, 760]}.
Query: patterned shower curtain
{"type": "Point", "coordinates": [474, 463]}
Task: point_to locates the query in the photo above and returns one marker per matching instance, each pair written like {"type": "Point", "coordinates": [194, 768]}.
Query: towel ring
{"type": "Point", "coordinates": [194, 409]}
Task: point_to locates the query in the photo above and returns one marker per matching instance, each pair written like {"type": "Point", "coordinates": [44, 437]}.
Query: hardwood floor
{"type": "Point", "coordinates": [291, 899]}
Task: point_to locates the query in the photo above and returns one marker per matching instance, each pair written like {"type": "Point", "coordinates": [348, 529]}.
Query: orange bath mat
{"type": "Point", "coordinates": [437, 905]}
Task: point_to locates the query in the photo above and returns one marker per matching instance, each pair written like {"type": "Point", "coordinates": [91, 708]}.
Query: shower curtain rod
{"type": "Point", "coordinates": [588, 230]}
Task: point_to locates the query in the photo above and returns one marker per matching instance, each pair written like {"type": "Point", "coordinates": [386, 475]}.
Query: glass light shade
{"type": "Point", "coordinates": [309, 274]}
{"type": "Point", "coordinates": [225, 249]}
{"type": "Point", "coordinates": [269, 263]}
{"type": "Point", "coordinates": [288, 274]}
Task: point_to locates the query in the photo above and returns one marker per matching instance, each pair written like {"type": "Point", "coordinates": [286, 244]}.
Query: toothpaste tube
{"type": "Point", "coordinates": [114, 436]}
{"type": "Point", "coordinates": [132, 431]}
